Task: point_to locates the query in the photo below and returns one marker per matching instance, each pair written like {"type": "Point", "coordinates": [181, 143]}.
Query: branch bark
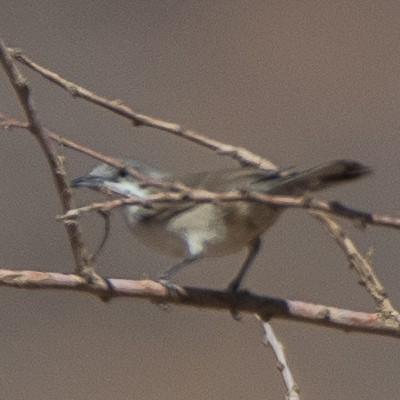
{"type": "Point", "coordinates": [386, 322]}
{"type": "Point", "coordinates": [83, 263]}
{"type": "Point", "coordinates": [178, 192]}
{"type": "Point", "coordinates": [333, 207]}
{"type": "Point", "coordinates": [240, 154]}
{"type": "Point", "coordinates": [245, 302]}
{"type": "Point", "coordinates": [271, 340]}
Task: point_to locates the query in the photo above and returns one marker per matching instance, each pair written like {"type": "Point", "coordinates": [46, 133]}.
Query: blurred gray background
{"type": "Point", "coordinates": [299, 82]}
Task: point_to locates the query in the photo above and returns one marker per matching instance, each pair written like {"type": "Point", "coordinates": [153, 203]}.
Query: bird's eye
{"type": "Point", "coordinates": [122, 172]}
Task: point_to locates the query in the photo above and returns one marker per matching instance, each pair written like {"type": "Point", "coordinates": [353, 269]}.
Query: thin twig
{"type": "Point", "coordinates": [362, 266]}
{"type": "Point", "coordinates": [333, 207]}
{"type": "Point", "coordinates": [8, 122]}
{"type": "Point", "coordinates": [244, 156]}
{"type": "Point", "coordinates": [203, 196]}
{"type": "Point", "coordinates": [240, 154]}
{"type": "Point", "coordinates": [21, 87]}
{"type": "Point", "coordinates": [271, 340]}
{"type": "Point", "coordinates": [244, 302]}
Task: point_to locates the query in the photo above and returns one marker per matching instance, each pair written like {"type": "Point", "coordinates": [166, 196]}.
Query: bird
{"type": "Point", "coordinates": [190, 230]}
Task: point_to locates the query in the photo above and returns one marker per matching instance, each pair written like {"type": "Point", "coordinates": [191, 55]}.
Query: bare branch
{"type": "Point", "coordinates": [187, 194]}
{"type": "Point", "coordinates": [179, 192]}
{"type": "Point", "coordinates": [21, 87]}
{"type": "Point", "coordinates": [203, 196]}
{"type": "Point", "coordinates": [244, 302]}
{"type": "Point", "coordinates": [271, 340]}
{"type": "Point", "coordinates": [11, 122]}
{"type": "Point", "coordinates": [240, 154]}
{"type": "Point", "coordinates": [361, 265]}
{"type": "Point", "coordinates": [333, 207]}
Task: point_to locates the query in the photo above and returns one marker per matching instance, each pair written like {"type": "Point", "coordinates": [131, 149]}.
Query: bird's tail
{"type": "Point", "coordinates": [320, 177]}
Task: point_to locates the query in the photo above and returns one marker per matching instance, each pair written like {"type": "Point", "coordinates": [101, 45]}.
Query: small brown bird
{"type": "Point", "coordinates": [191, 230]}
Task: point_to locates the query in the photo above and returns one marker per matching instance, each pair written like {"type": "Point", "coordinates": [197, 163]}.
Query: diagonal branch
{"type": "Point", "coordinates": [367, 275]}
{"type": "Point", "coordinates": [11, 122]}
{"type": "Point", "coordinates": [240, 154]}
{"type": "Point", "coordinates": [271, 340]}
{"type": "Point", "coordinates": [180, 191]}
{"type": "Point", "coordinates": [177, 191]}
{"type": "Point", "coordinates": [21, 87]}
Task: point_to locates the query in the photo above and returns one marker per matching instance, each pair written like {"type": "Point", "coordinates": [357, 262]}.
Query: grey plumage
{"type": "Point", "coordinates": [191, 230]}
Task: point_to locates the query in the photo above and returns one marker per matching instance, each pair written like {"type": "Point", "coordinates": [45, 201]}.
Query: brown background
{"type": "Point", "coordinates": [299, 82]}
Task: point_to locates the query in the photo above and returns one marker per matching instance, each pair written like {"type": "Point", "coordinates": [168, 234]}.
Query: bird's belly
{"type": "Point", "coordinates": [207, 229]}
{"type": "Point", "coordinates": [157, 238]}
{"type": "Point", "coordinates": [242, 228]}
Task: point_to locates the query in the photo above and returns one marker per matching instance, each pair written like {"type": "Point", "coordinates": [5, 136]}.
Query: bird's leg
{"type": "Point", "coordinates": [106, 217]}
{"type": "Point", "coordinates": [164, 276]}
{"type": "Point", "coordinates": [178, 267]}
{"type": "Point", "coordinates": [254, 248]}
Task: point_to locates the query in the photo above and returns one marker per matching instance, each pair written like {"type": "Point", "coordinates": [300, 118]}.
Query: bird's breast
{"type": "Point", "coordinates": [207, 229]}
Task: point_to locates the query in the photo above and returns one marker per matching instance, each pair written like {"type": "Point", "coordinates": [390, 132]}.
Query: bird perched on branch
{"type": "Point", "coordinates": [192, 230]}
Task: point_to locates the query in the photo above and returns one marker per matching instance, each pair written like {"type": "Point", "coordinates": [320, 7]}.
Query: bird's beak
{"type": "Point", "coordinates": [89, 181]}
{"type": "Point", "coordinates": [99, 184]}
